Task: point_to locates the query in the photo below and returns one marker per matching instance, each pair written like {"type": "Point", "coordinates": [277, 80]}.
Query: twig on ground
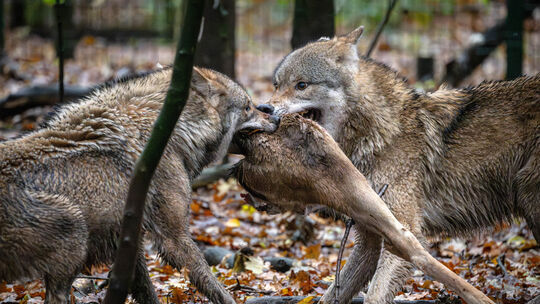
{"type": "Point", "coordinates": [500, 262]}
{"type": "Point", "coordinates": [249, 289]}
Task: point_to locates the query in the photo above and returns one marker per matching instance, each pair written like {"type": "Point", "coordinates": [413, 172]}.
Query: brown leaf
{"type": "Point", "coordinates": [178, 296]}
{"type": "Point", "coordinates": [312, 252]}
{"type": "Point", "coordinates": [4, 288]}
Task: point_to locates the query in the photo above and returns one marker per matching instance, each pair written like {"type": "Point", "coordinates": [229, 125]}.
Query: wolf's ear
{"type": "Point", "coordinates": [200, 80]}
{"type": "Point", "coordinates": [206, 81]}
{"type": "Point", "coordinates": [208, 84]}
{"type": "Point", "coordinates": [353, 36]}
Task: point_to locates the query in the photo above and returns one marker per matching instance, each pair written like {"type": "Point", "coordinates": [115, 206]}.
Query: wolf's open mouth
{"type": "Point", "coordinates": [312, 113]}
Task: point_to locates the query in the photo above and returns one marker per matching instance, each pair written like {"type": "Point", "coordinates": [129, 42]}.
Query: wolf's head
{"type": "Point", "coordinates": [317, 79]}
{"type": "Point", "coordinates": [352, 97]}
{"type": "Point", "coordinates": [231, 102]}
{"type": "Point", "coordinates": [217, 108]}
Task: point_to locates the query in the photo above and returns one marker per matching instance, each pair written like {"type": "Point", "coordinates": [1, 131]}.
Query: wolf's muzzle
{"type": "Point", "coordinates": [266, 108]}
{"type": "Point", "coordinates": [274, 119]}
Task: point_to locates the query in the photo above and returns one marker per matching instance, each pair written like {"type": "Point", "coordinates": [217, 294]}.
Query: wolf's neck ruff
{"type": "Point", "coordinates": [375, 97]}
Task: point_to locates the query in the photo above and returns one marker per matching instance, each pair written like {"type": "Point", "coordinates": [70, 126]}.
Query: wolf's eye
{"type": "Point", "coordinates": [301, 86]}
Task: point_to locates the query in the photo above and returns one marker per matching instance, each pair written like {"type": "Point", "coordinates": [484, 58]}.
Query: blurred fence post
{"type": "Point", "coordinates": [216, 49]}
{"type": "Point", "coordinates": [312, 20]}
{"type": "Point", "coordinates": [514, 38]}
{"type": "Point", "coordinates": [2, 43]}
{"type": "Point", "coordinates": [17, 11]}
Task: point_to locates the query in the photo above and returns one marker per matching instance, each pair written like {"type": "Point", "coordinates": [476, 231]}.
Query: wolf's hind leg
{"type": "Point", "coordinates": [392, 271]}
{"type": "Point", "coordinates": [58, 289]}
{"type": "Point", "coordinates": [359, 268]}
{"type": "Point", "coordinates": [59, 241]}
{"type": "Point", "coordinates": [528, 195]}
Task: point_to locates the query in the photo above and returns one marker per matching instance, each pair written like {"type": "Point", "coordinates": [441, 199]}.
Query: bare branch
{"type": "Point", "coordinates": [381, 26]}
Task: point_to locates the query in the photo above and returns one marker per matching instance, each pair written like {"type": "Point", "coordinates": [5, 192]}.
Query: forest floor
{"type": "Point", "coordinates": [504, 263]}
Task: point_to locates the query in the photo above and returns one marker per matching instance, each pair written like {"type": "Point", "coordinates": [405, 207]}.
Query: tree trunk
{"type": "Point", "coordinates": [70, 33]}
{"type": "Point", "coordinates": [17, 10]}
{"type": "Point", "coordinates": [312, 20]}
{"type": "Point", "coordinates": [217, 44]}
{"type": "Point", "coordinates": [514, 38]}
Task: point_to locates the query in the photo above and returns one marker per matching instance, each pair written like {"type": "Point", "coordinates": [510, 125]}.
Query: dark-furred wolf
{"type": "Point", "coordinates": [457, 161]}
{"type": "Point", "coordinates": [63, 187]}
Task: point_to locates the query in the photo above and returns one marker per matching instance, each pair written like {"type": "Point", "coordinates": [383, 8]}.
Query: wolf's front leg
{"type": "Point", "coordinates": [359, 268]}
{"type": "Point", "coordinates": [392, 271]}
{"type": "Point", "coordinates": [177, 248]}
{"type": "Point", "coordinates": [200, 275]}
{"type": "Point", "coordinates": [182, 251]}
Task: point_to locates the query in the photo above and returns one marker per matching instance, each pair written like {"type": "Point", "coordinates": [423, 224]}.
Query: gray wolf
{"type": "Point", "coordinates": [63, 187]}
{"type": "Point", "coordinates": [457, 161]}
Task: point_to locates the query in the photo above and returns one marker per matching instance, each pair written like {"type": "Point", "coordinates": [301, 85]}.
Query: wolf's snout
{"type": "Point", "coordinates": [274, 119]}
{"type": "Point", "coordinates": [266, 108]}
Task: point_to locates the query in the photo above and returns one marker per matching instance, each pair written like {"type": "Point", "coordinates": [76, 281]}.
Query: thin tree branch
{"type": "Point", "coordinates": [381, 26]}
{"type": "Point", "coordinates": [123, 269]}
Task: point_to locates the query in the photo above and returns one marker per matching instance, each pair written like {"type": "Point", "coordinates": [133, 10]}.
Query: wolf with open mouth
{"type": "Point", "coordinates": [456, 161]}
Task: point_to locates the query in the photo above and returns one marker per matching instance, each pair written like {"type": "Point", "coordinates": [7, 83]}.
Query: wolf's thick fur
{"type": "Point", "coordinates": [63, 187]}
{"type": "Point", "coordinates": [456, 161]}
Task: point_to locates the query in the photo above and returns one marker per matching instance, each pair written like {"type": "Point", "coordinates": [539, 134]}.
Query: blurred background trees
{"type": "Point", "coordinates": [424, 39]}
{"type": "Point", "coordinates": [459, 42]}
